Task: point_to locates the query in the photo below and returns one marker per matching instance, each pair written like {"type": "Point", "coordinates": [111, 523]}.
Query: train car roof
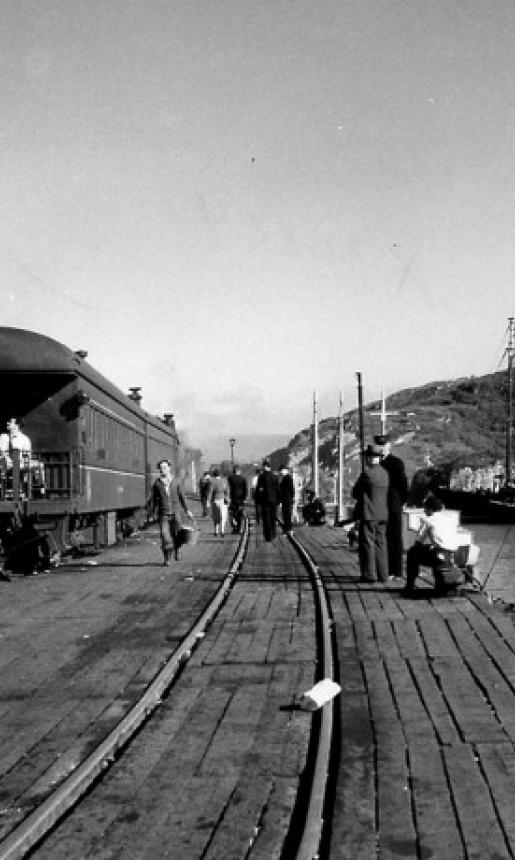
{"type": "Point", "coordinates": [23, 351]}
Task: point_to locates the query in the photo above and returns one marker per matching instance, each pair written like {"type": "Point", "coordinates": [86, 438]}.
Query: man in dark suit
{"type": "Point", "coordinates": [267, 495]}
{"type": "Point", "coordinates": [397, 498]}
{"type": "Point", "coordinates": [287, 494]}
{"type": "Point", "coordinates": [371, 494]}
{"type": "Point", "coordinates": [237, 496]}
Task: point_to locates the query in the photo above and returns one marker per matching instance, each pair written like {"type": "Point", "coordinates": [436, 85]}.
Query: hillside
{"type": "Point", "coordinates": [453, 424]}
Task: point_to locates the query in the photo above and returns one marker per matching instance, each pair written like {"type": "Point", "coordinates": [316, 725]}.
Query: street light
{"type": "Point", "coordinates": [232, 443]}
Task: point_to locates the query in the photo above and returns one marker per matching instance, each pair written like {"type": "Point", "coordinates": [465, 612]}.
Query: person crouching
{"type": "Point", "coordinates": [436, 534]}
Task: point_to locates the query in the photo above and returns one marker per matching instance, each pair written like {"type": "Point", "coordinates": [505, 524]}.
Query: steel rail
{"type": "Point", "coordinates": [42, 819]}
{"type": "Point", "coordinates": [309, 844]}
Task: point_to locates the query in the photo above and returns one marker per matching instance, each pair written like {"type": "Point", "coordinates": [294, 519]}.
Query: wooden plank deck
{"type": "Point", "coordinates": [216, 772]}
{"type": "Point", "coordinates": [80, 645]}
{"type": "Point", "coordinates": [427, 711]}
{"type": "Point", "coordinates": [426, 717]}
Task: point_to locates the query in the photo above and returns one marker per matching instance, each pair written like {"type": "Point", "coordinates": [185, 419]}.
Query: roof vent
{"type": "Point", "coordinates": [134, 394]}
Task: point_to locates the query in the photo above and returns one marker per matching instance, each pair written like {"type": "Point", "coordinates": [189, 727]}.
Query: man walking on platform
{"type": "Point", "coordinates": [167, 500]}
{"type": "Point", "coordinates": [237, 497]}
{"type": "Point", "coordinates": [267, 494]}
{"type": "Point", "coordinates": [257, 512]}
{"type": "Point", "coordinates": [371, 493]}
{"type": "Point", "coordinates": [287, 495]}
{"type": "Point", "coordinates": [397, 498]}
{"type": "Point", "coordinates": [219, 502]}
{"type": "Point", "coordinates": [205, 492]}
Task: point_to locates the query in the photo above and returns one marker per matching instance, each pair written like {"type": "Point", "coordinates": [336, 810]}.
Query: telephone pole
{"type": "Point", "coordinates": [509, 429]}
{"type": "Point", "coordinates": [341, 458]}
{"type": "Point", "coordinates": [315, 444]}
{"type": "Point", "coordinates": [361, 424]}
{"type": "Point", "coordinates": [383, 414]}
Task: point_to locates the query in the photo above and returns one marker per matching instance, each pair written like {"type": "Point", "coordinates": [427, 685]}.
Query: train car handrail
{"type": "Point", "coordinates": [38, 476]}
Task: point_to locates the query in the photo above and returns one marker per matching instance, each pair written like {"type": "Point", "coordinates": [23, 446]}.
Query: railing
{"type": "Point", "coordinates": [40, 475]}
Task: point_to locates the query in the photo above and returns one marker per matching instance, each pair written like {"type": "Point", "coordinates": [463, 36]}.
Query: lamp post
{"type": "Point", "coordinates": [232, 443]}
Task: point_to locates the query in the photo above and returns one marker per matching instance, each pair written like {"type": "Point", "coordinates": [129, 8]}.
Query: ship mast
{"type": "Point", "coordinates": [509, 430]}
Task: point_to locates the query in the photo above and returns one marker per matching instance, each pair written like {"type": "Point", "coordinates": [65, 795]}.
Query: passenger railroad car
{"type": "Point", "coordinates": [96, 447]}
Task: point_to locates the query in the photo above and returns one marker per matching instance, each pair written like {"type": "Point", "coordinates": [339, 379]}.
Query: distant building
{"type": "Point", "coordinates": [485, 479]}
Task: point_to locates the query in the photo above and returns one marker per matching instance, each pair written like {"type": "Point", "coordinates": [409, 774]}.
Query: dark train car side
{"type": "Point", "coordinates": [95, 446]}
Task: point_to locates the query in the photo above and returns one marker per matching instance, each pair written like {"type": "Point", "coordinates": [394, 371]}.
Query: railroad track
{"type": "Point", "coordinates": [303, 837]}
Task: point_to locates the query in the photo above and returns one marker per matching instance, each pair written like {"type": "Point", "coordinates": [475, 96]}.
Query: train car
{"type": "Point", "coordinates": [94, 449]}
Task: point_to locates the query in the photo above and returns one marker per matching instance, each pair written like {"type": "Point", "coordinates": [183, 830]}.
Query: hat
{"type": "Point", "coordinates": [432, 503]}
{"type": "Point", "coordinates": [382, 439]}
{"type": "Point", "coordinates": [374, 451]}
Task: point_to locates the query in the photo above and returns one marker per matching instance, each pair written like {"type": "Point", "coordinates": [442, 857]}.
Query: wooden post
{"type": "Point", "coordinates": [315, 444]}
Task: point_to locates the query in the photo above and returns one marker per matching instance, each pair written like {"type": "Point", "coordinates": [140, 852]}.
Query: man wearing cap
{"type": "Point", "coordinates": [397, 498]}
{"type": "Point", "coordinates": [371, 493]}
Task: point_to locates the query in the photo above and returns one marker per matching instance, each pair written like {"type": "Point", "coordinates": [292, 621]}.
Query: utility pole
{"type": "Point", "coordinates": [193, 476]}
{"type": "Point", "coordinates": [341, 458]}
{"type": "Point", "coordinates": [509, 429]}
{"type": "Point", "coordinates": [383, 414]}
{"type": "Point", "coordinates": [361, 424]}
{"type": "Point", "coordinates": [315, 444]}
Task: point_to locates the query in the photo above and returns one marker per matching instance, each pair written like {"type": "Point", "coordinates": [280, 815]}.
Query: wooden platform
{"type": "Point", "coordinates": [427, 718]}
{"type": "Point", "coordinates": [79, 645]}
{"type": "Point", "coordinates": [424, 762]}
{"type": "Point", "coordinates": [221, 759]}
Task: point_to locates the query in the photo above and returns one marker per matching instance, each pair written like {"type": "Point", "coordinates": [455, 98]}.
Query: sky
{"type": "Point", "coordinates": [236, 203]}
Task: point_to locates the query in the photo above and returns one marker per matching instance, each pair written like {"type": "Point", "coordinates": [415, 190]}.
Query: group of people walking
{"type": "Point", "coordinates": [270, 492]}
{"type": "Point", "coordinates": [225, 498]}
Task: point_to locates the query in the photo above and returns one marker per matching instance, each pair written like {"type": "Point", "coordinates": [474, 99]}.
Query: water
{"type": "Point", "coordinates": [496, 568]}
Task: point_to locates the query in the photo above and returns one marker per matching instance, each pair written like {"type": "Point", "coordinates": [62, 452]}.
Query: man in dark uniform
{"type": "Point", "coordinates": [397, 498]}
{"type": "Point", "coordinates": [287, 494]}
{"type": "Point", "coordinates": [371, 493]}
{"type": "Point", "coordinates": [237, 496]}
{"type": "Point", "coordinates": [267, 494]}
